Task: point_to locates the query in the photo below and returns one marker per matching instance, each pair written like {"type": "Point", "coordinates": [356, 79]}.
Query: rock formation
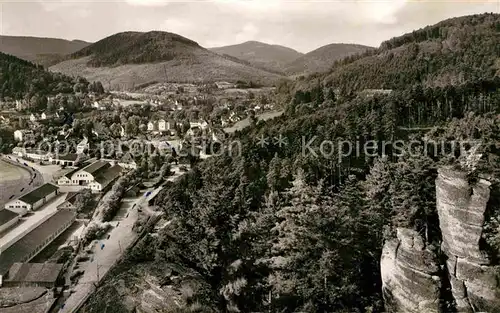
{"type": "Point", "coordinates": [412, 278]}
{"type": "Point", "coordinates": [475, 281]}
{"type": "Point", "coordinates": [410, 274]}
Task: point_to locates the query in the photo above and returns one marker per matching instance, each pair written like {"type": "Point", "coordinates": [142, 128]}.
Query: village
{"type": "Point", "coordinates": [94, 170]}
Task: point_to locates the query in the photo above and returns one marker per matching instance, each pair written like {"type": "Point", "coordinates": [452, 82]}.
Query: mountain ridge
{"type": "Point", "coordinates": [322, 58]}
{"type": "Point", "coordinates": [127, 59]}
{"type": "Point", "coordinates": [41, 50]}
{"type": "Point", "coordinates": [269, 56]}
{"type": "Point", "coordinates": [450, 52]}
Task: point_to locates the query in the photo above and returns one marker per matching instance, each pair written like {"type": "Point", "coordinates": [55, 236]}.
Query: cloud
{"type": "Point", "coordinates": [383, 12]}
{"type": "Point", "coordinates": [147, 2]}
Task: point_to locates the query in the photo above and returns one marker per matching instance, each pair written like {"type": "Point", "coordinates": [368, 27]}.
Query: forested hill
{"type": "Point", "coordinates": [137, 48]}
{"type": "Point", "coordinates": [451, 52]}
{"type": "Point", "coordinates": [20, 79]}
{"type": "Point", "coordinates": [321, 59]}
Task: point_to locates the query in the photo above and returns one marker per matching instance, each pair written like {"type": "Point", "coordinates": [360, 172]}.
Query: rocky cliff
{"type": "Point", "coordinates": [410, 274]}
{"type": "Point", "coordinates": [413, 278]}
{"type": "Point", "coordinates": [475, 280]}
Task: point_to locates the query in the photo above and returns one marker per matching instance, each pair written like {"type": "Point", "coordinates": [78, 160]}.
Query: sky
{"type": "Point", "coordinates": [301, 25]}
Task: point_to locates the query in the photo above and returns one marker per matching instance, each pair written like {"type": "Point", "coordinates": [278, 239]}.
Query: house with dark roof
{"type": "Point", "coordinates": [65, 180]}
{"type": "Point", "coordinates": [127, 161]}
{"type": "Point", "coordinates": [69, 201]}
{"type": "Point", "coordinates": [8, 219]}
{"type": "Point", "coordinates": [104, 178]}
{"type": "Point", "coordinates": [69, 159]}
{"type": "Point", "coordinates": [33, 199]}
{"type": "Point", "coordinates": [48, 275]}
{"type": "Point", "coordinates": [86, 175]}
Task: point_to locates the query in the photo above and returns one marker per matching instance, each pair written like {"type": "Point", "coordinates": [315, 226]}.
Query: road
{"type": "Point", "coordinates": [121, 236]}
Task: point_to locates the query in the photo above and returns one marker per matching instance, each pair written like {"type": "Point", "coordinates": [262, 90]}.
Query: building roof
{"type": "Point", "coordinates": [66, 157]}
{"type": "Point", "coordinates": [34, 272]}
{"type": "Point", "coordinates": [96, 166]}
{"type": "Point", "coordinates": [109, 175]}
{"type": "Point", "coordinates": [36, 151]}
{"type": "Point", "coordinates": [70, 173]}
{"type": "Point", "coordinates": [7, 216]}
{"type": "Point", "coordinates": [20, 250]}
{"type": "Point", "coordinates": [39, 193]}
{"type": "Point", "coordinates": [71, 197]}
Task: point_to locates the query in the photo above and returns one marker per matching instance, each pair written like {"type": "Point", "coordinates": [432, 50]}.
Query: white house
{"type": "Point", "coordinates": [127, 161]}
{"type": "Point", "coordinates": [18, 135]}
{"type": "Point", "coordinates": [86, 175]}
{"type": "Point", "coordinates": [33, 199]}
{"type": "Point", "coordinates": [37, 155]}
{"type": "Point", "coordinates": [163, 125]}
{"type": "Point", "coordinates": [33, 117]}
{"type": "Point", "coordinates": [23, 135]}
{"type": "Point", "coordinates": [151, 126]}
{"type": "Point", "coordinates": [82, 145]}
{"type": "Point", "coordinates": [44, 116]}
{"type": "Point", "coordinates": [194, 124]}
{"type": "Point", "coordinates": [65, 180]}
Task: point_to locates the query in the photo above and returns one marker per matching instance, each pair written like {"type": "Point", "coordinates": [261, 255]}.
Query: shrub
{"type": "Point", "coordinates": [95, 231]}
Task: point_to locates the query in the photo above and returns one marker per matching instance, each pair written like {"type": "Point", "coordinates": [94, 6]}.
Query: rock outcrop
{"type": "Point", "coordinates": [410, 274]}
{"type": "Point", "coordinates": [475, 281]}
{"type": "Point", "coordinates": [413, 280]}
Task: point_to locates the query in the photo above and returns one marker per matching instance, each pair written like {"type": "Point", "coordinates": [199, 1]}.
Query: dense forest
{"type": "Point", "coordinates": [452, 52]}
{"type": "Point", "coordinates": [20, 79]}
{"type": "Point", "coordinates": [300, 228]}
{"type": "Point", "coordinates": [276, 230]}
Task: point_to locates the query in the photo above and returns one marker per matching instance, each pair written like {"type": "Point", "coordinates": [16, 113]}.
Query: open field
{"type": "Point", "coordinates": [12, 180]}
{"type": "Point", "coordinates": [246, 122]}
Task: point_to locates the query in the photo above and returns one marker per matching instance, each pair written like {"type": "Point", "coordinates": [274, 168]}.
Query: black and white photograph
{"type": "Point", "coordinates": [249, 156]}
